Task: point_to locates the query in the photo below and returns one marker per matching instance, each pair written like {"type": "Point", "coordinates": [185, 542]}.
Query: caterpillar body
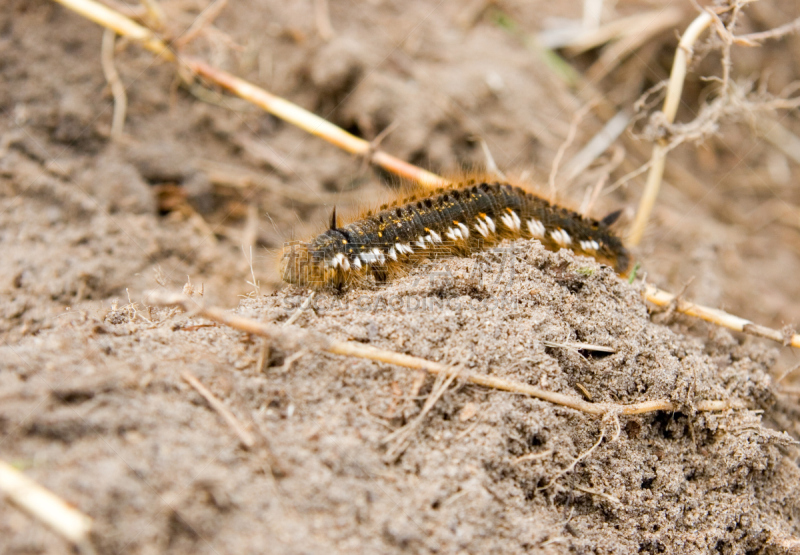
{"type": "Point", "coordinates": [449, 222]}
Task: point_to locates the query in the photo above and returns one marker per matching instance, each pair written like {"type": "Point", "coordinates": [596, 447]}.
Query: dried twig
{"type": "Point", "coordinates": [591, 37]}
{"type": "Point", "coordinates": [247, 239]}
{"type": "Point", "coordinates": [292, 338]}
{"type": "Point", "coordinates": [660, 149]}
{"type": "Point", "coordinates": [719, 317]}
{"type": "Point", "coordinates": [46, 506]}
{"type": "Point", "coordinates": [641, 32]}
{"type": "Point", "coordinates": [293, 318]}
{"type": "Point", "coordinates": [247, 439]}
{"type": "Point", "coordinates": [275, 105]}
{"type": "Point", "coordinates": [778, 32]}
{"type": "Point", "coordinates": [573, 130]}
{"type": "Point", "coordinates": [311, 123]}
{"type": "Point", "coordinates": [117, 88]}
{"type": "Point", "coordinates": [576, 460]}
{"type": "Point", "coordinates": [122, 25]}
{"type": "Point", "coordinates": [597, 145]}
{"type": "Point", "coordinates": [401, 437]}
{"type": "Point", "coordinates": [204, 19]}
{"type": "Point", "coordinates": [577, 346]}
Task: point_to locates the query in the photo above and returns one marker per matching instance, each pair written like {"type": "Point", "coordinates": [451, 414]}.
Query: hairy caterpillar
{"type": "Point", "coordinates": [448, 222]}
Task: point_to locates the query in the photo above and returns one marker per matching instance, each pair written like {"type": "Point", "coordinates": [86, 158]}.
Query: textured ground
{"type": "Point", "coordinates": [92, 403]}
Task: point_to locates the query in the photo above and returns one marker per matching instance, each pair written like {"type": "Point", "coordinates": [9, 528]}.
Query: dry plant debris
{"type": "Point", "coordinates": [680, 456]}
{"type": "Point", "coordinates": [300, 339]}
{"type": "Point", "coordinates": [317, 126]}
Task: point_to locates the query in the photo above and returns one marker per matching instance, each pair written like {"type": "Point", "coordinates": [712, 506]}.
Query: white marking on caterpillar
{"type": "Point", "coordinates": [356, 263]}
{"type": "Point", "coordinates": [464, 230]}
{"type": "Point", "coordinates": [341, 260]}
{"type": "Point", "coordinates": [451, 233]}
{"type": "Point", "coordinates": [561, 237]}
{"type": "Point", "coordinates": [536, 228]}
{"type": "Point", "coordinates": [372, 257]}
{"type": "Point", "coordinates": [436, 237]}
{"type": "Point", "coordinates": [490, 223]}
{"type": "Point", "coordinates": [511, 221]}
{"type": "Point", "coordinates": [482, 228]}
{"type": "Point", "coordinates": [392, 254]}
{"type": "Point", "coordinates": [590, 245]}
{"type": "Point", "coordinates": [420, 242]}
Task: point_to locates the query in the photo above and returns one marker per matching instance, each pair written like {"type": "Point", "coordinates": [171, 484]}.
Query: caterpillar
{"type": "Point", "coordinates": [448, 222]}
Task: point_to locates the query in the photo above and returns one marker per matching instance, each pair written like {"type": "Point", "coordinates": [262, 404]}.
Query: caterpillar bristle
{"type": "Point", "coordinates": [334, 223]}
{"type": "Point", "coordinates": [446, 222]}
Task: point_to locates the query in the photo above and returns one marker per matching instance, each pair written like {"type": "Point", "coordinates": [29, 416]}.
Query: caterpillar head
{"type": "Point", "coordinates": [614, 253]}
{"type": "Point", "coordinates": [313, 264]}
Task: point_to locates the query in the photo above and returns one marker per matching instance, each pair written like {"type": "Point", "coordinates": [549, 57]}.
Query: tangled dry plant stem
{"type": "Point", "coordinates": [732, 100]}
{"type": "Point", "coordinates": [296, 339]}
{"type": "Point", "coordinates": [671, 102]}
{"type": "Point", "coordinates": [292, 113]}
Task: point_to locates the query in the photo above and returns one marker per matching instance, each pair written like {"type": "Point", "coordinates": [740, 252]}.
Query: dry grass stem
{"type": "Point", "coordinates": [491, 165]}
{"type": "Point", "coordinates": [255, 283]}
{"type": "Point", "coordinates": [573, 130]}
{"type": "Point", "coordinates": [533, 456]}
{"type": "Point", "coordinates": [597, 145]}
{"type": "Point", "coordinates": [401, 438]}
{"type": "Point", "coordinates": [117, 88]}
{"type": "Point", "coordinates": [296, 339]}
{"type": "Point", "coordinates": [275, 105]}
{"type": "Point", "coordinates": [674, 89]}
{"type": "Point", "coordinates": [787, 373]}
{"type": "Point", "coordinates": [207, 16]}
{"type": "Point", "coordinates": [245, 437]}
{"type": "Point", "coordinates": [575, 346]}
{"type": "Point", "coordinates": [300, 310]}
{"type": "Point", "coordinates": [644, 29]}
{"type": "Point", "coordinates": [66, 521]}
{"type": "Point", "coordinates": [576, 460]}
{"type": "Point", "coordinates": [154, 14]}
{"type": "Point", "coordinates": [250, 235]}
{"type": "Point", "coordinates": [780, 137]}
{"type": "Point", "coordinates": [778, 32]}
{"type": "Point", "coordinates": [620, 28]}
{"type": "Point", "coordinates": [120, 24]}
{"type": "Point", "coordinates": [603, 495]}
{"type": "Point", "coordinates": [719, 317]}
{"type": "Point", "coordinates": [311, 123]}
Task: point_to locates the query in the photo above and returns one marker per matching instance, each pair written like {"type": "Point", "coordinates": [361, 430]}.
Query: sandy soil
{"type": "Point", "coordinates": [92, 402]}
